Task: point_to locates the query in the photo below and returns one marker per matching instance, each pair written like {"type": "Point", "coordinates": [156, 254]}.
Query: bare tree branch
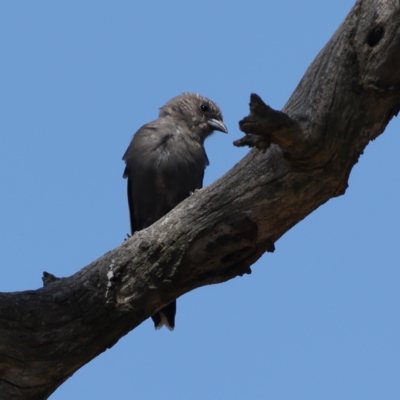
{"type": "Point", "coordinates": [346, 98]}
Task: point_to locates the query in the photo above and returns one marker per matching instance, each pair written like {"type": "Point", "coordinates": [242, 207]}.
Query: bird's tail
{"type": "Point", "coordinates": [165, 317]}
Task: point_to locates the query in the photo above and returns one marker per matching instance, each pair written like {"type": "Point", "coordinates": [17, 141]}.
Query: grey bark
{"type": "Point", "coordinates": [346, 98]}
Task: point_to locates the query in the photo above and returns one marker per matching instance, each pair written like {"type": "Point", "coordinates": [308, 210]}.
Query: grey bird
{"type": "Point", "coordinates": [165, 163]}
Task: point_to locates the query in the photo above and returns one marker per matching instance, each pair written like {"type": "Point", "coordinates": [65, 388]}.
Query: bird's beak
{"type": "Point", "coordinates": [217, 125]}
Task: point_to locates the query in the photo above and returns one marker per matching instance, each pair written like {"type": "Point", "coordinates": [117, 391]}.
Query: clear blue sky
{"type": "Point", "coordinates": [318, 319]}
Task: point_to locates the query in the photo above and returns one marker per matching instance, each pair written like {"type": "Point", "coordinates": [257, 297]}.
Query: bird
{"type": "Point", "coordinates": [165, 163]}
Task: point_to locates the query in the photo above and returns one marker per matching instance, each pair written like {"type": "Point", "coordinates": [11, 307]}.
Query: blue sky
{"type": "Point", "coordinates": [318, 319]}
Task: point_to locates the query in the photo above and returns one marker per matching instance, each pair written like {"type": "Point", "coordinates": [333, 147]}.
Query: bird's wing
{"type": "Point", "coordinates": [140, 172]}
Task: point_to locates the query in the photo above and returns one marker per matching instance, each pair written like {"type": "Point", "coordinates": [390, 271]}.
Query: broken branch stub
{"type": "Point", "coordinates": [265, 125]}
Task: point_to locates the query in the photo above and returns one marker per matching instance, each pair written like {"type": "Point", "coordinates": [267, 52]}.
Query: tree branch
{"type": "Point", "coordinates": [346, 98]}
{"type": "Point", "coordinates": [265, 126]}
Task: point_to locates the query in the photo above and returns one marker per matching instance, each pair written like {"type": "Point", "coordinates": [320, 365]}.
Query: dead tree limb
{"type": "Point", "coordinates": [346, 98]}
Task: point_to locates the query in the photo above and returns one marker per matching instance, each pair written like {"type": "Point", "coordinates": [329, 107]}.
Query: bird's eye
{"type": "Point", "coordinates": [204, 108]}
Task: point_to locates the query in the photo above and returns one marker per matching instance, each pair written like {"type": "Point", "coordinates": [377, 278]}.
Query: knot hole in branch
{"type": "Point", "coordinates": [375, 36]}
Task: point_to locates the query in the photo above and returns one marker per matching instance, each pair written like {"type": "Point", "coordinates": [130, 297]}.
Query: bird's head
{"type": "Point", "coordinates": [202, 115]}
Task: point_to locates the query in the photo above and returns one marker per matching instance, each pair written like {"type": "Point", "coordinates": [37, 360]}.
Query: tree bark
{"type": "Point", "coordinates": [303, 157]}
